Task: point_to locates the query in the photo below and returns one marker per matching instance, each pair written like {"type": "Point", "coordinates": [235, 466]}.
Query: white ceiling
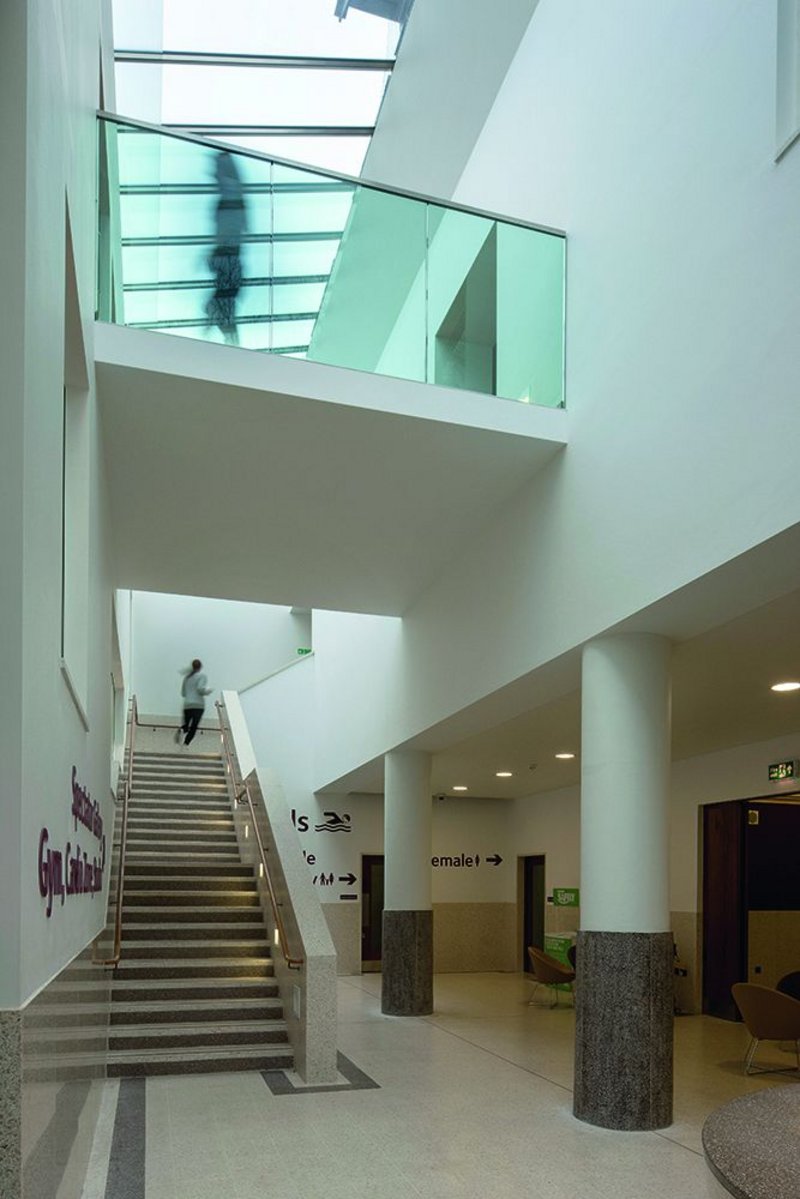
{"type": "Point", "coordinates": [261, 478]}
{"type": "Point", "coordinates": [721, 698]}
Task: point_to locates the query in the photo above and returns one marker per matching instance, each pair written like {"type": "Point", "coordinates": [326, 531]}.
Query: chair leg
{"type": "Point", "coordinates": [536, 986]}
{"type": "Point", "coordinates": [748, 1061]}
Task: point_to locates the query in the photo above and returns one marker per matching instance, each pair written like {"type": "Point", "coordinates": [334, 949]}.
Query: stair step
{"type": "Point", "coordinates": [247, 921]}
{"type": "Point", "coordinates": [167, 1011]}
{"type": "Point", "coordinates": [137, 990]}
{"type": "Point", "coordinates": [187, 885]}
{"type": "Point", "coordinates": [242, 947]}
{"type": "Point", "coordinates": [151, 755]}
{"type": "Point", "coordinates": [183, 822]}
{"type": "Point", "coordinates": [179, 788]}
{"type": "Point", "coordinates": [171, 837]}
{"type": "Point", "coordinates": [179, 809]}
{"type": "Point", "coordinates": [177, 851]}
{"type": "Point", "coordinates": [171, 860]}
{"type": "Point", "coordinates": [146, 1037]}
{"type": "Point", "coordinates": [191, 968]}
{"type": "Point", "coordinates": [138, 917]}
{"type": "Point", "coordinates": [131, 1062]}
{"type": "Point", "coordinates": [182, 869]}
{"type": "Point", "coordinates": [183, 897]}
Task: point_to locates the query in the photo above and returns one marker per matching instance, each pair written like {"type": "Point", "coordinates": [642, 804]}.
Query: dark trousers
{"type": "Point", "coordinates": [191, 719]}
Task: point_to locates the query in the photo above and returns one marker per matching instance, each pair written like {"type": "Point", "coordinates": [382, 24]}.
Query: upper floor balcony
{"type": "Point", "coordinates": [229, 245]}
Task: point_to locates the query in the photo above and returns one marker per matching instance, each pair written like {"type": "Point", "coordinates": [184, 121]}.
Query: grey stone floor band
{"type": "Point", "coordinates": [407, 987]}
{"type": "Point", "coordinates": [623, 1030]}
{"type": "Point", "coordinates": [126, 1170]}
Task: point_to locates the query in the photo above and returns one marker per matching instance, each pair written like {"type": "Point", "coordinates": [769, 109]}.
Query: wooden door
{"type": "Point", "coordinates": [724, 907]}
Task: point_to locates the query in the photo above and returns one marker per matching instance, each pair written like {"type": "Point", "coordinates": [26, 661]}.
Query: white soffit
{"type": "Point", "coordinates": [250, 477]}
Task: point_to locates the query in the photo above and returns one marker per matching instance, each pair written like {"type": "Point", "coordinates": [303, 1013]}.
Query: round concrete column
{"type": "Point", "coordinates": [624, 1004]}
{"type": "Point", "coordinates": [407, 986]}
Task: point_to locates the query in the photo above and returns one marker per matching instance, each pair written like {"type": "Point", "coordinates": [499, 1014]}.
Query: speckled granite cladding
{"type": "Point", "coordinates": [623, 1030]}
{"type": "Point", "coordinates": [407, 988]}
{"type": "Point", "coordinates": [10, 1104]}
{"type": "Point", "coordinates": [752, 1147]}
{"type": "Point", "coordinates": [344, 924]}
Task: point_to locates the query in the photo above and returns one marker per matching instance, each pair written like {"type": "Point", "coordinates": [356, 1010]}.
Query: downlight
{"type": "Point", "coordinates": [789, 685]}
{"type": "Point", "coordinates": [565, 757]}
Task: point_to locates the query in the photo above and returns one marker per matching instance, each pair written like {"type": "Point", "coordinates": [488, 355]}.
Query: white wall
{"type": "Point", "coordinates": [549, 822]}
{"type": "Point", "coordinates": [647, 133]}
{"type": "Point", "coordinates": [49, 56]}
{"type": "Point", "coordinates": [280, 719]}
{"type": "Point", "coordinates": [238, 644]}
{"type": "Point", "coordinates": [739, 773]}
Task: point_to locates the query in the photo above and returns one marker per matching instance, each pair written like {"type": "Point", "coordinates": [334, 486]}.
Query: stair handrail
{"type": "Point", "coordinates": [241, 794]}
{"type": "Point", "coordinates": [132, 722]}
{"type": "Point", "coordinates": [115, 118]}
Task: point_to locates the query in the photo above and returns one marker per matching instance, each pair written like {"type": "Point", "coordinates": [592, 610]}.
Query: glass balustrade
{"type": "Point", "coordinates": [230, 246]}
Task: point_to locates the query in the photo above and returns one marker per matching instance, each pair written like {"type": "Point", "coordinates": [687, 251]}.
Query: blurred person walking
{"type": "Point", "coordinates": [225, 260]}
{"type": "Point", "coordinates": [194, 691]}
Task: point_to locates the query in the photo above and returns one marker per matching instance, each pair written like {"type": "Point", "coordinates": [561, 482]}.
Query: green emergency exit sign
{"type": "Point", "coordinates": [566, 897]}
{"type": "Point", "coordinates": [784, 770]}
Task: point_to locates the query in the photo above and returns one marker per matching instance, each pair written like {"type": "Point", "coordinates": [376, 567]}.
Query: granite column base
{"type": "Point", "coordinates": [10, 1104]}
{"type": "Point", "coordinates": [407, 987]}
{"type": "Point", "coordinates": [623, 1030]}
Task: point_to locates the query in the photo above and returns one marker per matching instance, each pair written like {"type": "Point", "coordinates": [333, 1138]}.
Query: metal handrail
{"type": "Point", "coordinates": [115, 118]}
{"type": "Point", "coordinates": [241, 794]}
{"type": "Point", "coordinates": [133, 720]}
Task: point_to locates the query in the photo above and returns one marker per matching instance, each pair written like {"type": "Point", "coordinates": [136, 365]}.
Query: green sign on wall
{"type": "Point", "coordinates": [566, 897]}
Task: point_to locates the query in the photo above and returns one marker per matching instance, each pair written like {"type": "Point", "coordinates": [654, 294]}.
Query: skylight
{"type": "Point", "coordinates": [284, 77]}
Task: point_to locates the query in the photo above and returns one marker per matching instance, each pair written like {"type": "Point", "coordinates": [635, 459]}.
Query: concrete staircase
{"type": "Point", "coordinates": [194, 991]}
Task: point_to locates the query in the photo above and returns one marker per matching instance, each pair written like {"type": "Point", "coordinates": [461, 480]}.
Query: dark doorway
{"type": "Point", "coordinates": [724, 907]}
{"type": "Point", "coordinates": [750, 878]}
{"type": "Point", "coordinates": [532, 905]}
{"type": "Point", "coordinates": [371, 911]}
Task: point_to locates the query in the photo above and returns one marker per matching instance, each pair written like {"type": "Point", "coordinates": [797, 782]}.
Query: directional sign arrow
{"type": "Point", "coordinates": [495, 859]}
{"type": "Point", "coordinates": [347, 878]}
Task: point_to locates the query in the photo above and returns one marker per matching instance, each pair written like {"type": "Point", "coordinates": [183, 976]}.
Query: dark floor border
{"type": "Point", "coordinates": [357, 1080]}
{"type": "Point", "coordinates": [126, 1169]}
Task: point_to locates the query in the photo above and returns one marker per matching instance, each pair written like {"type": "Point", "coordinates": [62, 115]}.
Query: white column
{"type": "Point", "coordinates": [625, 759]}
{"type": "Point", "coordinates": [623, 1062]}
{"type": "Point", "coordinates": [408, 818]}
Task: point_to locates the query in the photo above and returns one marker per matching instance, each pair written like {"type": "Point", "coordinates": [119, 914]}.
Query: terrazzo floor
{"type": "Point", "coordinates": [473, 1101]}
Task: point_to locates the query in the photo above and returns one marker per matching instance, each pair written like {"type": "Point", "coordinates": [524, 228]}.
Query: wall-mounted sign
{"type": "Point", "coordinates": [566, 897]}
{"type": "Point", "coordinates": [464, 859]}
{"type": "Point", "coordinates": [779, 771]}
{"type": "Point", "coordinates": [73, 872]}
{"type": "Point", "coordinates": [303, 652]}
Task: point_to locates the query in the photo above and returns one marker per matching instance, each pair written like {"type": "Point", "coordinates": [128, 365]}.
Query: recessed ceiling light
{"type": "Point", "coordinates": [459, 788]}
{"type": "Point", "coordinates": [788, 686]}
{"type": "Point", "coordinates": [504, 774]}
{"type": "Point", "coordinates": [565, 757]}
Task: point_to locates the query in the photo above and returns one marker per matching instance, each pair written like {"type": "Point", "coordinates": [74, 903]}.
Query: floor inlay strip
{"type": "Point", "coordinates": [126, 1171]}
{"type": "Point", "coordinates": [280, 1084]}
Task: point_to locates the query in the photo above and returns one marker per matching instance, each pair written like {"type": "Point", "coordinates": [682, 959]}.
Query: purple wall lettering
{"type": "Point", "coordinates": [84, 809]}
{"type": "Point", "coordinates": [84, 875]}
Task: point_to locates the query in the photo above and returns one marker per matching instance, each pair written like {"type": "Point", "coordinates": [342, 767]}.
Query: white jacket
{"type": "Point", "coordinates": [194, 690]}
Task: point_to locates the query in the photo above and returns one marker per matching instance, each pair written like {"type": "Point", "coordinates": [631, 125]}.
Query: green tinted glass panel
{"type": "Point", "coordinates": [213, 244]}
